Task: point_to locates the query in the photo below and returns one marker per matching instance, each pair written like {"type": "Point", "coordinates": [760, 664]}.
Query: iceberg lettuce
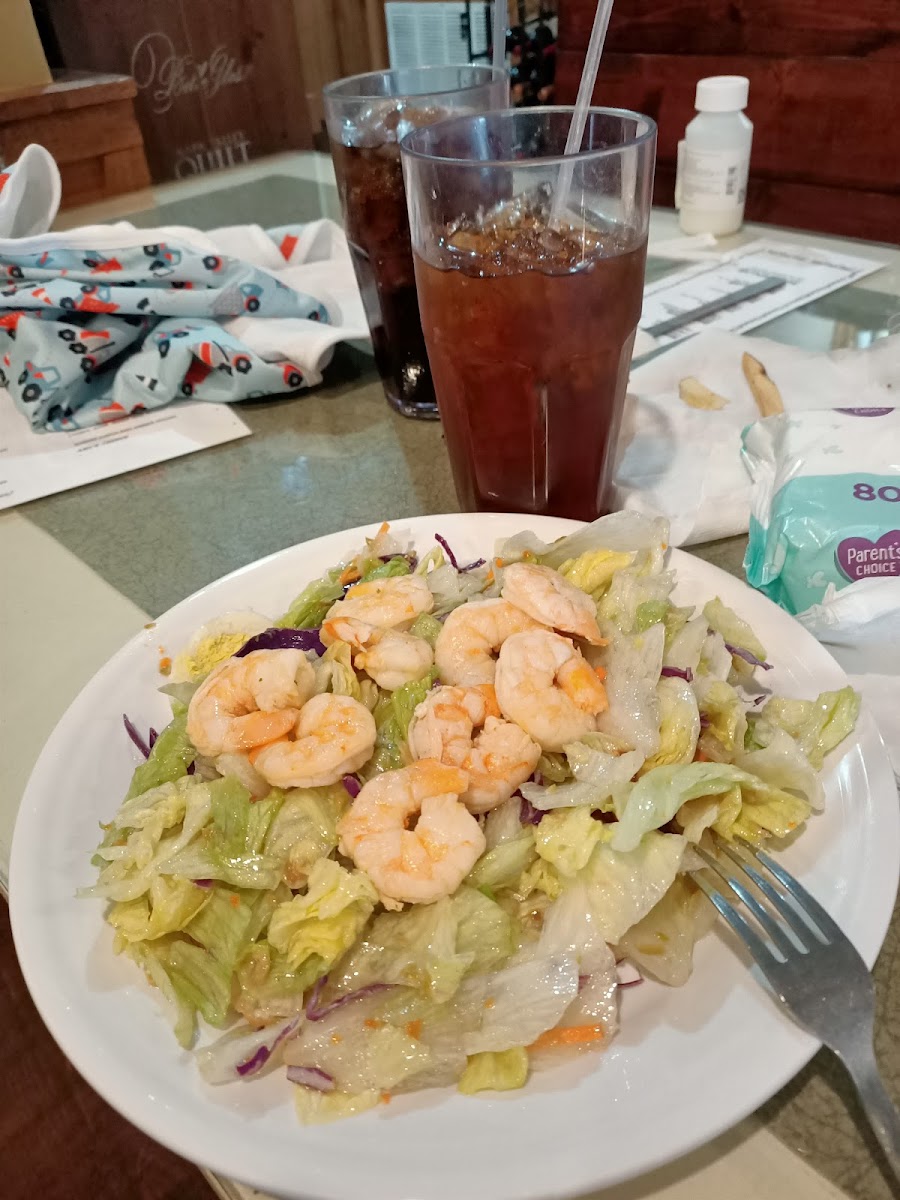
{"type": "Point", "coordinates": [593, 570]}
{"type": "Point", "coordinates": [662, 943]}
{"type": "Point", "coordinates": [566, 838]}
{"type": "Point", "coordinates": [326, 920]}
{"type": "Point", "coordinates": [623, 886]}
{"type": "Point", "coordinates": [817, 725]}
{"type": "Point", "coordinates": [416, 948]}
{"type": "Point", "coordinates": [598, 776]}
{"type": "Point", "coordinates": [520, 1002]}
{"type": "Point", "coordinates": [723, 709]}
{"type": "Point", "coordinates": [633, 664]}
{"type": "Point", "coordinates": [305, 829]}
{"type": "Point", "coordinates": [170, 757]}
{"type": "Point", "coordinates": [309, 609]}
{"type": "Point", "coordinates": [166, 907]}
{"type": "Point", "coordinates": [733, 629]}
{"type": "Point", "coordinates": [679, 724]}
{"type": "Point", "coordinates": [495, 1071]}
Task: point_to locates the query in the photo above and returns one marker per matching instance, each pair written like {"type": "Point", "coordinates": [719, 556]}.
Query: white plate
{"type": "Point", "coordinates": [687, 1064]}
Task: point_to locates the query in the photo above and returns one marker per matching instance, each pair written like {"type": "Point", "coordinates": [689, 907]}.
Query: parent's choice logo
{"type": "Point", "coordinates": [166, 75]}
{"type": "Point", "coordinates": [861, 558]}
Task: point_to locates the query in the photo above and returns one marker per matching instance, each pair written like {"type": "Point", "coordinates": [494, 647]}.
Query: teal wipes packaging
{"type": "Point", "coordinates": [825, 519]}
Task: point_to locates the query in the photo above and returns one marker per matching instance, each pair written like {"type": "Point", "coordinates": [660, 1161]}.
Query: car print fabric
{"type": "Point", "coordinates": [93, 331]}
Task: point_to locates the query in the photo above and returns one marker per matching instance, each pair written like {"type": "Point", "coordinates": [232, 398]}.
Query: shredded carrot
{"type": "Point", "coordinates": [489, 578]}
{"type": "Point", "coordinates": [372, 1023]}
{"type": "Point", "coordinates": [349, 574]}
{"type": "Point", "coordinates": [498, 562]}
{"type": "Point", "coordinates": [165, 665]}
{"type": "Point", "coordinates": [385, 1097]}
{"type": "Point", "coordinates": [574, 1035]}
{"type": "Point", "coordinates": [384, 528]}
{"type": "Point", "coordinates": [336, 1039]}
{"type": "Point", "coordinates": [490, 1002]}
{"type": "Point", "coordinates": [600, 672]}
{"type": "Point", "coordinates": [700, 756]}
{"type": "Point", "coordinates": [414, 1029]}
{"type": "Point", "coordinates": [234, 901]}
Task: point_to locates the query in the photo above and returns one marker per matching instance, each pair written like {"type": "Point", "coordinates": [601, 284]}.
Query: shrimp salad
{"type": "Point", "coordinates": [422, 828]}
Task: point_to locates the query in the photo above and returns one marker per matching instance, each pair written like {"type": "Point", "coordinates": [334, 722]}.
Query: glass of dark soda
{"type": "Point", "coordinates": [367, 115]}
{"type": "Point", "coordinates": [530, 276]}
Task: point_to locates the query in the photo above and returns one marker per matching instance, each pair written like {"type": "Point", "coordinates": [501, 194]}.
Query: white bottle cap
{"type": "Point", "coordinates": [722, 93]}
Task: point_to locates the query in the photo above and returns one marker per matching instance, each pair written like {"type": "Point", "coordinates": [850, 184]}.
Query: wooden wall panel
{"type": "Point", "coordinates": [219, 81]}
{"type": "Point", "coordinates": [790, 99]}
{"type": "Point", "coordinates": [771, 27]}
{"type": "Point", "coordinates": [823, 96]}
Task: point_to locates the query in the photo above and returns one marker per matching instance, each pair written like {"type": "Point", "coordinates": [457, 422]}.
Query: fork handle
{"type": "Point", "coordinates": [879, 1108]}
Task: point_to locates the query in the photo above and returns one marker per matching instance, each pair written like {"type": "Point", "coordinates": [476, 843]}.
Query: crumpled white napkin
{"type": "Point", "coordinates": [685, 463]}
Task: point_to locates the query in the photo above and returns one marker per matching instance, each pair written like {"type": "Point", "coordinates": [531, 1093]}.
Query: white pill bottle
{"type": "Point", "coordinates": [714, 158]}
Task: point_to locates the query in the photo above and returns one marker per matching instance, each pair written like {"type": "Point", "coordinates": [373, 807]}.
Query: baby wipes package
{"type": "Point", "coordinates": [825, 515]}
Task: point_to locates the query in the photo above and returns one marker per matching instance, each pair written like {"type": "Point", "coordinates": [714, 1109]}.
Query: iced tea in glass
{"type": "Point", "coordinates": [367, 115]}
{"type": "Point", "coordinates": [530, 322]}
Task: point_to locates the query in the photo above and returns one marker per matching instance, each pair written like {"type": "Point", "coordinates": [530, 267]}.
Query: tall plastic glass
{"type": "Point", "coordinates": [529, 326]}
{"type": "Point", "coordinates": [367, 115]}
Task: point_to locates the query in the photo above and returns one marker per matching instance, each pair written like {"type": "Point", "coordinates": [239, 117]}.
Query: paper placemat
{"type": "Point", "coordinates": [39, 464]}
{"type": "Point", "coordinates": [808, 271]}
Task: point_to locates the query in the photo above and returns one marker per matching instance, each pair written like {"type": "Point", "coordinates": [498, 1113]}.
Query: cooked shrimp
{"type": "Point", "coordinates": [547, 687]}
{"type": "Point", "coordinates": [333, 736]}
{"type": "Point", "coordinates": [417, 865]}
{"type": "Point", "coordinates": [472, 635]}
{"type": "Point", "coordinates": [497, 759]}
{"type": "Point", "coordinates": [246, 702]}
{"type": "Point", "coordinates": [389, 656]}
{"type": "Point", "coordinates": [392, 603]}
{"type": "Point", "coordinates": [549, 598]}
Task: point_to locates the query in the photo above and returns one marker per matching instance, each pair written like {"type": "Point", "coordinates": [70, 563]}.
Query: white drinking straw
{"type": "Point", "coordinates": [582, 104]}
{"type": "Point", "coordinates": [501, 16]}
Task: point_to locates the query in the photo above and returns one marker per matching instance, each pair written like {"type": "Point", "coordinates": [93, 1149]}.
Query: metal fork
{"type": "Point", "coordinates": [813, 968]}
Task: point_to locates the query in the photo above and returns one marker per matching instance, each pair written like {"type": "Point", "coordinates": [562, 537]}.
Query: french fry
{"type": "Point", "coordinates": [765, 393]}
{"type": "Point", "coordinates": [697, 395]}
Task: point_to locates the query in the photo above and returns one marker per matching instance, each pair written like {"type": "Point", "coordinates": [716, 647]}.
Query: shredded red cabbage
{"type": "Point", "coordinates": [628, 974]}
{"type": "Point", "coordinates": [445, 546]}
{"type": "Point", "coordinates": [261, 1056]}
{"type": "Point", "coordinates": [314, 1013]}
{"type": "Point", "coordinates": [528, 814]}
{"type": "Point", "coordinates": [136, 737]}
{"type": "Point", "coordinates": [191, 769]}
{"type": "Point", "coordinates": [705, 722]}
{"type": "Point", "coordinates": [759, 699]}
{"type": "Point", "coordinates": [606, 818]}
{"type": "Point", "coordinates": [311, 1077]}
{"type": "Point", "coordinates": [684, 673]}
{"type": "Point", "coordinates": [151, 741]}
{"type": "Point", "coordinates": [740, 652]}
{"type": "Point", "coordinates": [283, 639]}
{"type": "Point", "coordinates": [352, 784]}
{"type": "Point", "coordinates": [204, 883]}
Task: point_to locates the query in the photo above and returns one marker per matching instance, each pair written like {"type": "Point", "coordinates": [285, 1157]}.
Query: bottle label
{"type": "Point", "coordinates": [712, 179]}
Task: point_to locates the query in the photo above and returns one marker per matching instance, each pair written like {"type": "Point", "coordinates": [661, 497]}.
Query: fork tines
{"type": "Point", "coordinates": [804, 923]}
